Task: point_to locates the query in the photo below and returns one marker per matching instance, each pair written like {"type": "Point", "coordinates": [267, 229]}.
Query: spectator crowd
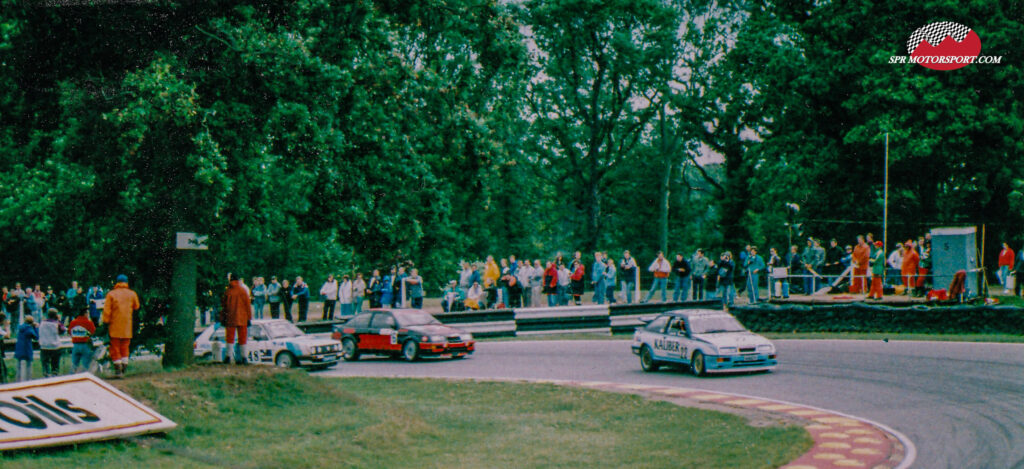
{"type": "Point", "coordinates": [44, 314]}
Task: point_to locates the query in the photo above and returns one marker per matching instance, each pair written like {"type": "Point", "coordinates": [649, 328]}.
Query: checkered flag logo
{"type": "Point", "coordinates": [934, 33]}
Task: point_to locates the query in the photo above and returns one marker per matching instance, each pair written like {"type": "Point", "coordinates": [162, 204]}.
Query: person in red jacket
{"type": "Point", "coordinates": [1005, 265]}
{"type": "Point", "coordinates": [860, 259]}
{"type": "Point", "coordinates": [577, 280]}
{"type": "Point", "coordinates": [81, 330]}
{"type": "Point", "coordinates": [235, 312]}
{"type": "Point", "coordinates": [550, 287]}
{"type": "Point", "coordinates": [908, 270]}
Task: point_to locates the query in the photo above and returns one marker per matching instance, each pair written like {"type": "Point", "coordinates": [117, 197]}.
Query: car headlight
{"type": "Point", "coordinates": [466, 337]}
{"type": "Point", "coordinates": [726, 350]}
{"type": "Point", "coordinates": [437, 339]}
{"type": "Point", "coordinates": [765, 348]}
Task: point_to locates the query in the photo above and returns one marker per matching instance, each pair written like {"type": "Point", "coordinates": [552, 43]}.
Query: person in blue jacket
{"type": "Point", "coordinates": [23, 348]}
{"type": "Point", "coordinates": [754, 265]}
{"type": "Point", "coordinates": [300, 293]}
{"type": "Point", "coordinates": [386, 294]}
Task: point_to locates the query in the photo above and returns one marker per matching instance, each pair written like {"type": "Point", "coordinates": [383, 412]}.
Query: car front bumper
{"type": "Point", "coordinates": [740, 363]}
{"type": "Point", "coordinates": [324, 359]}
{"type": "Point", "coordinates": [447, 349]}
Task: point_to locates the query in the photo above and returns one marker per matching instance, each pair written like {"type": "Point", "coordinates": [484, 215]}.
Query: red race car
{"type": "Point", "coordinates": [407, 333]}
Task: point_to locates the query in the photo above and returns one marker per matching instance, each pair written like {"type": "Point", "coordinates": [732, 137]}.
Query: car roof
{"type": "Point", "coordinates": [696, 313]}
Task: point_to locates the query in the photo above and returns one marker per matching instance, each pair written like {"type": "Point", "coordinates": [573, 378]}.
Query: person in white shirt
{"type": "Point", "coordinates": [895, 262]}
{"type": "Point", "coordinates": [564, 279]}
{"type": "Point", "coordinates": [345, 291]}
{"type": "Point", "coordinates": [523, 274]}
{"type": "Point", "coordinates": [329, 291]}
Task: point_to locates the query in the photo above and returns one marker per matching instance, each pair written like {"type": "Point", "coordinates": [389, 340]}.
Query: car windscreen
{"type": "Point", "coordinates": [415, 318]}
{"type": "Point", "coordinates": [715, 324]}
{"type": "Point", "coordinates": [281, 330]}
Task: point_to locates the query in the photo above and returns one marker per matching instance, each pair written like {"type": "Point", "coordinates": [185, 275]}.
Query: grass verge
{"type": "Point", "coordinates": [263, 417]}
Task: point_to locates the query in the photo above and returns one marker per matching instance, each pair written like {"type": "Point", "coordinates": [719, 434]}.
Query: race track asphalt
{"type": "Point", "coordinates": [961, 404]}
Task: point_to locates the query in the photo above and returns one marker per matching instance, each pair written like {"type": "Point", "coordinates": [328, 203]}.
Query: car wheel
{"type": "Point", "coordinates": [349, 351]}
{"type": "Point", "coordinates": [647, 362]}
{"type": "Point", "coordinates": [410, 351]}
{"type": "Point", "coordinates": [697, 365]}
{"type": "Point", "coordinates": [285, 360]}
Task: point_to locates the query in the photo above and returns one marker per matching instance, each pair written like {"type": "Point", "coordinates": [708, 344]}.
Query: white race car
{"type": "Point", "coordinates": [274, 341]}
{"type": "Point", "coordinates": [707, 341]}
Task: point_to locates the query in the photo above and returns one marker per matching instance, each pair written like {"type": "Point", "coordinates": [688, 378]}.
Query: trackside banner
{"type": "Point", "coordinates": [71, 409]}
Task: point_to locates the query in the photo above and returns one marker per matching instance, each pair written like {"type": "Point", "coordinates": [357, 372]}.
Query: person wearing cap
{"type": "Point", "coordinates": [877, 271]}
{"type": "Point", "coordinates": [118, 308]}
{"type": "Point", "coordinates": [452, 297]}
{"type": "Point", "coordinates": [235, 314]}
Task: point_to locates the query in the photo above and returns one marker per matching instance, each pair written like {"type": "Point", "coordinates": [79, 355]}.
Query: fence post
{"type": "Point", "coordinates": [637, 286]}
{"type": "Point", "coordinates": [404, 304]}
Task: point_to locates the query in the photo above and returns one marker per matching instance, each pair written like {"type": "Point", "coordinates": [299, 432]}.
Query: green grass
{"type": "Point", "coordinates": [146, 365]}
{"type": "Point", "coordinates": [262, 417]}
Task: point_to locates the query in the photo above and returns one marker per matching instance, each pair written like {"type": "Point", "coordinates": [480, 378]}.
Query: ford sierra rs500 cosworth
{"type": "Point", "coordinates": [707, 341]}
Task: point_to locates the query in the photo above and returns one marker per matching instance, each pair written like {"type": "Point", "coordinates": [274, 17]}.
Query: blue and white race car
{"type": "Point", "coordinates": [274, 342]}
{"type": "Point", "coordinates": [707, 341]}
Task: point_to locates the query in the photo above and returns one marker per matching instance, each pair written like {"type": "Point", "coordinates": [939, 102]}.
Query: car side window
{"type": "Point", "coordinates": [217, 336]}
{"type": "Point", "coordinates": [257, 333]}
{"type": "Point", "coordinates": [360, 322]}
{"type": "Point", "coordinates": [658, 324]}
{"type": "Point", "coordinates": [677, 327]}
{"type": "Point", "coordinates": [383, 321]}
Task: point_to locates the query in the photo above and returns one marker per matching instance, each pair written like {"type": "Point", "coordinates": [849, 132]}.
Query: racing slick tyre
{"type": "Point", "coordinates": [410, 351]}
{"type": "Point", "coordinates": [349, 350]}
{"type": "Point", "coordinates": [647, 362]}
{"type": "Point", "coordinates": [285, 360]}
{"type": "Point", "coordinates": [697, 365]}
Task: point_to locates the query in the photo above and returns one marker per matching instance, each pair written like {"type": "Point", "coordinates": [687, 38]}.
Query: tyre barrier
{"type": "Point", "coordinates": [864, 317]}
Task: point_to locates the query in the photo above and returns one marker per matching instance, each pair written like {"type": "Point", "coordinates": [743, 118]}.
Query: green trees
{"type": "Point", "coordinates": [308, 137]}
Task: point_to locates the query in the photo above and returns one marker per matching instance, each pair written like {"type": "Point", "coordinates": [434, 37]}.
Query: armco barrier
{"type": "Point", "coordinates": [626, 317]}
{"type": "Point", "coordinates": [589, 318]}
{"type": "Point", "coordinates": [490, 323]}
